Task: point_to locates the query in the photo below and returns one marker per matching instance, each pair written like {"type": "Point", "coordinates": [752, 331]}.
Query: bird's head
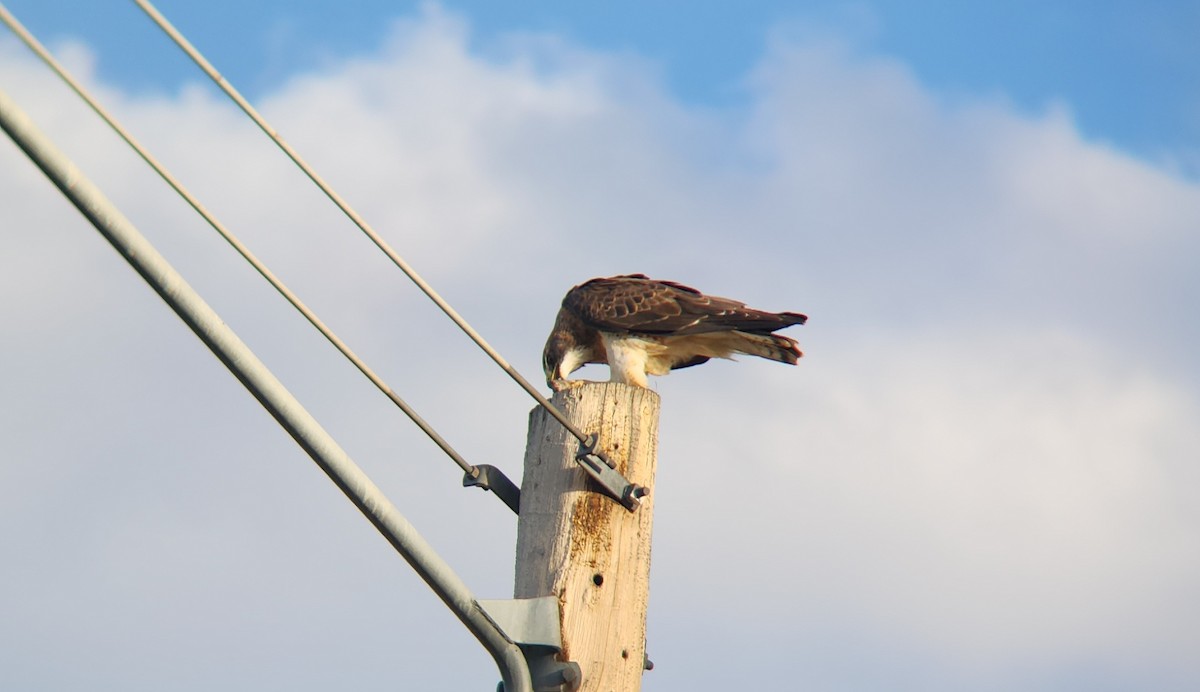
{"type": "Point", "coordinates": [557, 360]}
{"type": "Point", "coordinates": [564, 354]}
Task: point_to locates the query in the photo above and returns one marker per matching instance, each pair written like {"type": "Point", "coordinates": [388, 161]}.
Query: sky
{"type": "Point", "coordinates": [978, 477]}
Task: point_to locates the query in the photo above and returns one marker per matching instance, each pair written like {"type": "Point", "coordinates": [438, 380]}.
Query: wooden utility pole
{"type": "Point", "coordinates": [577, 544]}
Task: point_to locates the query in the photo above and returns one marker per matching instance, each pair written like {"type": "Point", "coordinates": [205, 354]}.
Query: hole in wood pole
{"type": "Point", "coordinates": [598, 579]}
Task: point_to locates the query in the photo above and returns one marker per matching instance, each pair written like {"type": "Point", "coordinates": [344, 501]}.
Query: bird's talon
{"type": "Point", "coordinates": [564, 385]}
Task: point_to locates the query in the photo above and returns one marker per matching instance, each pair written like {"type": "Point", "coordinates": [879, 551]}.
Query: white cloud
{"type": "Point", "coordinates": [970, 477]}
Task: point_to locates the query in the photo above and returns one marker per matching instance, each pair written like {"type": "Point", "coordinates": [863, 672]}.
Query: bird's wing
{"type": "Point", "coordinates": [639, 305]}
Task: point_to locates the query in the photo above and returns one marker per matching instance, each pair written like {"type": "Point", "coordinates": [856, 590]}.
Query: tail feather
{"type": "Point", "coordinates": [749, 321]}
{"type": "Point", "coordinates": [770, 346]}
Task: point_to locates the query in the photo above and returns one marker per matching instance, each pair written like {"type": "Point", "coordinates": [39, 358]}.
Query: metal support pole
{"type": "Point", "coordinates": [269, 391]}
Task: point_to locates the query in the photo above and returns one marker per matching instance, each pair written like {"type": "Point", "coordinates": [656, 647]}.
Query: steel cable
{"type": "Point", "coordinates": [40, 50]}
{"type": "Point", "coordinates": [428, 290]}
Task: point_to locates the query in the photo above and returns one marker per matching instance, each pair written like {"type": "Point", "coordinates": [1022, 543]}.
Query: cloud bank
{"type": "Point", "coordinates": [978, 478]}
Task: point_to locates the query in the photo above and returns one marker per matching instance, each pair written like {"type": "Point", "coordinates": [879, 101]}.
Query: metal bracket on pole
{"type": "Point", "coordinates": [491, 478]}
{"type": "Point", "coordinates": [533, 623]}
{"type": "Point", "coordinates": [605, 473]}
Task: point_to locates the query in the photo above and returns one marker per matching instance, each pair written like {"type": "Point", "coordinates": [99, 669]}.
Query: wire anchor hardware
{"type": "Point", "coordinates": [491, 478]}
{"type": "Point", "coordinates": [605, 473]}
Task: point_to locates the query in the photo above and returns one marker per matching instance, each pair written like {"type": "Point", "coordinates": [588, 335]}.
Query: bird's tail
{"type": "Point", "coordinates": [770, 346]}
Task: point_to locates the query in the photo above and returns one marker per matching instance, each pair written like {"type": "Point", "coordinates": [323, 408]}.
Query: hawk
{"type": "Point", "coordinates": [640, 326]}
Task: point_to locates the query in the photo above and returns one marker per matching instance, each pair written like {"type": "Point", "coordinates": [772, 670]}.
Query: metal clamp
{"type": "Point", "coordinates": [491, 478]}
{"type": "Point", "coordinates": [533, 623]}
{"type": "Point", "coordinates": [604, 473]}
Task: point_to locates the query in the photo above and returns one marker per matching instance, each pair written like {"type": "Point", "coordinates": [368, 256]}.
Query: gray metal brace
{"type": "Point", "coordinates": [491, 478]}
{"type": "Point", "coordinates": [533, 623]}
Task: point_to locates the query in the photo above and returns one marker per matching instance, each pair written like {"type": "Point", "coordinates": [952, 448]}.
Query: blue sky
{"type": "Point", "coordinates": [1127, 70]}
{"type": "Point", "coordinates": [979, 477]}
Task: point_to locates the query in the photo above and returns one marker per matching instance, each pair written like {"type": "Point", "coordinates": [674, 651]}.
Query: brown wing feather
{"type": "Point", "coordinates": [636, 304]}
